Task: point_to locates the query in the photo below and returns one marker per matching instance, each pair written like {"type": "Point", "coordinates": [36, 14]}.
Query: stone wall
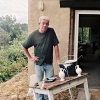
{"type": "Point", "coordinates": [59, 20]}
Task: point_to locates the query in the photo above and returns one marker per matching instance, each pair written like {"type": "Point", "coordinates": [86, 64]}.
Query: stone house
{"type": "Point", "coordinates": [66, 17]}
{"type": "Point", "coordinates": [59, 20]}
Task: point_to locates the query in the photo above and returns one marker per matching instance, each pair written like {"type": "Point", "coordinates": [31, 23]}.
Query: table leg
{"type": "Point", "coordinates": [71, 93]}
{"type": "Point", "coordinates": [35, 95]}
{"type": "Point", "coordinates": [50, 95]}
{"type": "Point", "coordinates": [86, 90]}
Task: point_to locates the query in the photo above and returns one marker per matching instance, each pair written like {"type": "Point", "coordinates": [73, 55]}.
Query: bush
{"type": "Point", "coordinates": [12, 59]}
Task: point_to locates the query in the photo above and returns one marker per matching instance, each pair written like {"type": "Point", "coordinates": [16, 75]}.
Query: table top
{"type": "Point", "coordinates": [57, 82]}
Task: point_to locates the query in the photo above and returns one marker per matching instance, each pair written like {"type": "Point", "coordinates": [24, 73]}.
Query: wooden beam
{"type": "Point", "coordinates": [80, 3]}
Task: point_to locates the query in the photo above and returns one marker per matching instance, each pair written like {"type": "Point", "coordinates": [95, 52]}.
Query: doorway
{"type": "Point", "coordinates": [87, 43]}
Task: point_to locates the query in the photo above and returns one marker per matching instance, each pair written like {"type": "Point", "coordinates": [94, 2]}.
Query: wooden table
{"type": "Point", "coordinates": [57, 86]}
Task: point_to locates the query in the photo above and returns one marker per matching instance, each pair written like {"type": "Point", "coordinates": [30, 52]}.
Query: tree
{"type": "Point", "coordinates": [24, 27]}
{"type": "Point", "coordinates": [7, 23]}
{"type": "Point", "coordinates": [15, 30]}
{"type": "Point", "coordinates": [12, 58]}
{"type": "Point", "coordinates": [4, 38]}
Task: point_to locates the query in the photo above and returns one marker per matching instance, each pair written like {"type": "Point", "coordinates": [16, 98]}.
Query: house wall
{"type": "Point", "coordinates": [59, 20]}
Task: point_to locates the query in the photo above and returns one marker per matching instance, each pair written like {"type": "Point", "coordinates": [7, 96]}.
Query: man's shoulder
{"type": "Point", "coordinates": [33, 33]}
{"type": "Point", "coordinates": [50, 28]}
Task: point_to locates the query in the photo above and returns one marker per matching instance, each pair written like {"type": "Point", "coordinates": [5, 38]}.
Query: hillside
{"type": "Point", "coordinates": [17, 89]}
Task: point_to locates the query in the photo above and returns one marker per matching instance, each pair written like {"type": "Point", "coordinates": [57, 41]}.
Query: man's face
{"type": "Point", "coordinates": [44, 25]}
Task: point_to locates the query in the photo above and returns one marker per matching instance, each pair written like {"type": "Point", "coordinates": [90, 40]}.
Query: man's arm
{"type": "Point", "coordinates": [57, 54]}
{"type": "Point", "coordinates": [26, 52]}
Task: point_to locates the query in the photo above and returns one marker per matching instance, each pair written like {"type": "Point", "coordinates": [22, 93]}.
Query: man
{"type": "Point", "coordinates": [43, 40]}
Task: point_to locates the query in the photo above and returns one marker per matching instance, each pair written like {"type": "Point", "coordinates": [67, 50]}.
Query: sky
{"type": "Point", "coordinates": [18, 8]}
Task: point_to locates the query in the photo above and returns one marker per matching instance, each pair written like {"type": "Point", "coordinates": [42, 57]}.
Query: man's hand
{"type": "Point", "coordinates": [34, 58]}
{"type": "Point", "coordinates": [58, 61]}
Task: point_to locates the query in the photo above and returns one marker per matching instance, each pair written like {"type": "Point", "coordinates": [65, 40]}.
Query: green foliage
{"type": "Point", "coordinates": [4, 37]}
{"type": "Point", "coordinates": [11, 60]}
{"type": "Point", "coordinates": [83, 34]}
{"type": "Point", "coordinates": [8, 24]}
{"type": "Point", "coordinates": [12, 57]}
{"type": "Point", "coordinates": [6, 70]}
{"type": "Point", "coordinates": [14, 51]}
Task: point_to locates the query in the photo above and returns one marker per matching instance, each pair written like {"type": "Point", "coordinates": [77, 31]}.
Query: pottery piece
{"type": "Point", "coordinates": [62, 74]}
{"type": "Point", "coordinates": [78, 70]}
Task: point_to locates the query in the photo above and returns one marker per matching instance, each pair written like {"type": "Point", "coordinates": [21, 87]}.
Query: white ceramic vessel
{"type": "Point", "coordinates": [62, 74]}
{"type": "Point", "coordinates": [78, 70]}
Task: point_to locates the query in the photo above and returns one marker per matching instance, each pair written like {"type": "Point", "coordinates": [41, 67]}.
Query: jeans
{"type": "Point", "coordinates": [49, 72]}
